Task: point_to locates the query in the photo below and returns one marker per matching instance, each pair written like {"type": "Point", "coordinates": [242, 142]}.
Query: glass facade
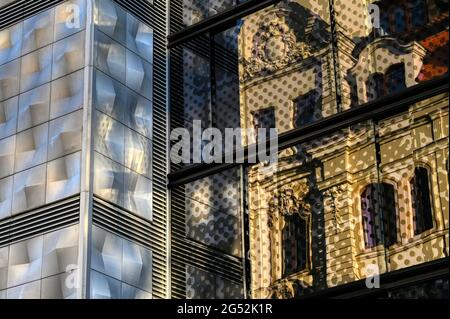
{"type": "Point", "coordinates": [94, 205]}
{"type": "Point", "coordinates": [340, 206]}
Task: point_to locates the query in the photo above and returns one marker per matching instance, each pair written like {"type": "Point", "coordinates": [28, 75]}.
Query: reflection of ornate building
{"type": "Point", "coordinates": [375, 193]}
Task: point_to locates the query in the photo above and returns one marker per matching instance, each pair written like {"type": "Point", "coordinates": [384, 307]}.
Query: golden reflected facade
{"type": "Point", "coordinates": [343, 206]}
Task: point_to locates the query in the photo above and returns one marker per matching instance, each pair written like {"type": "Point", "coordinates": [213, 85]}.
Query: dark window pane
{"type": "Point", "coordinates": [378, 200]}
{"type": "Point", "coordinates": [294, 244]}
{"type": "Point", "coordinates": [307, 107]}
{"type": "Point", "coordinates": [400, 19]}
{"type": "Point", "coordinates": [375, 87]}
{"type": "Point", "coordinates": [421, 203]}
{"type": "Point", "coordinates": [395, 78]}
{"type": "Point", "coordinates": [264, 119]}
{"type": "Point", "coordinates": [419, 14]}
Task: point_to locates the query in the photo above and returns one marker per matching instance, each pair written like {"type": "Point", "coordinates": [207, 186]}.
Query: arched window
{"type": "Point", "coordinates": [421, 201]}
{"type": "Point", "coordinates": [379, 215]}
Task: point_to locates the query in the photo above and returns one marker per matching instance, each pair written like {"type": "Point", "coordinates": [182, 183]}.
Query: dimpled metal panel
{"type": "Point", "coordinates": [65, 135]}
{"type": "Point", "coordinates": [7, 147]}
{"type": "Point", "coordinates": [60, 251]}
{"type": "Point", "coordinates": [25, 262]}
{"type": "Point", "coordinates": [67, 94]}
{"type": "Point", "coordinates": [29, 189]}
{"type": "Point", "coordinates": [68, 55]}
{"type": "Point", "coordinates": [31, 147]}
{"type": "Point", "coordinates": [63, 177]}
{"type": "Point", "coordinates": [34, 107]}
{"type": "Point", "coordinates": [70, 17]}
{"type": "Point", "coordinates": [8, 117]}
{"type": "Point", "coordinates": [10, 43]}
{"type": "Point", "coordinates": [38, 31]}
{"type": "Point", "coordinates": [6, 196]}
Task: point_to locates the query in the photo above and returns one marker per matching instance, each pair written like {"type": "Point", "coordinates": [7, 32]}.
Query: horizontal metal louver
{"type": "Point", "coordinates": [40, 221]}
{"type": "Point", "coordinates": [23, 9]}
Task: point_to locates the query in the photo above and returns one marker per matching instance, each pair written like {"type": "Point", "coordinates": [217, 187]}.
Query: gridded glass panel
{"type": "Point", "coordinates": [139, 38]}
{"type": "Point", "coordinates": [65, 135]}
{"type": "Point", "coordinates": [108, 179]}
{"type": "Point", "coordinates": [67, 94]}
{"type": "Point", "coordinates": [137, 266]}
{"type": "Point", "coordinates": [400, 43]}
{"type": "Point", "coordinates": [9, 79]}
{"type": "Point", "coordinates": [68, 55]}
{"type": "Point", "coordinates": [25, 262]}
{"type": "Point", "coordinates": [109, 137]}
{"type": "Point", "coordinates": [195, 11]}
{"type": "Point", "coordinates": [36, 68]}
{"type": "Point", "coordinates": [213, 213]}
{"type": "Point", "coordinates": [139, 75]}
{"type": "Point", "coordinates": [201, 284]}
{"type": "Point", "coordinates": [110, 57]}
{"type": "Point", "coordinates": [60, 252]}
{"type": "Point", "coordinates": [63, 177]}
{"type": "Point", "coordinates": [138, 153]}
{"type": "Point", "coordinates": [31, 147]}
{"type": "Point", "coordinates": [29, 189]}
{"type": "Point", "coordinates": [139, 114]}
{"type": "Point", "coordinates": [110, 96]}
{"type": "Point", "coordinates": [70, 17]}
{"type": "Point", "coordinates": [111, 19]}
{"type": "Point", "coordinates": [8, 117]}
{"type": "Point", "coordinates": [138, 194]}
{"type": "Point", "coordinates": [104, 287]}
{"type": "Point", "coordinates": [130, 292]}
{"type": "Point", "coordinates": [34, 107]}
{"type": "Point", "coordinates": [107, 252]}
{"type": "Point", "coordinates": [7, 147]}
{"type": "Point", "coordinates": [38, 31]}
{"type": "Point", "coordinates": [116, 259]}
{"type": "Point", "coordinates": [10, 43]}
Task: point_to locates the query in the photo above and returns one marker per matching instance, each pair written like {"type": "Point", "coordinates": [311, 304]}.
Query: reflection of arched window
{"type": "Point", "coordinates": [378, 200]}
{"type": "Point", "coordinates": [306, 108]}
{"type": "Point", "coordinates": [392, 81]}
{"type": "Point", "coordinates": [399, 19]}
{"type": "Point", "coordinates": [294, 244]}
{"type": "Point", "coordinates": [399, 16]}
{"type": "Point", "coordinates": [264, 118]}
{"type": "Point", "coordinates": [419, 14]}
{"type": "Point", "coordinates": [375, 86]}
{"type": "Point", "coordinates": [421, 201]}
{"type": "Point", "coordinates": [289, 221]}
